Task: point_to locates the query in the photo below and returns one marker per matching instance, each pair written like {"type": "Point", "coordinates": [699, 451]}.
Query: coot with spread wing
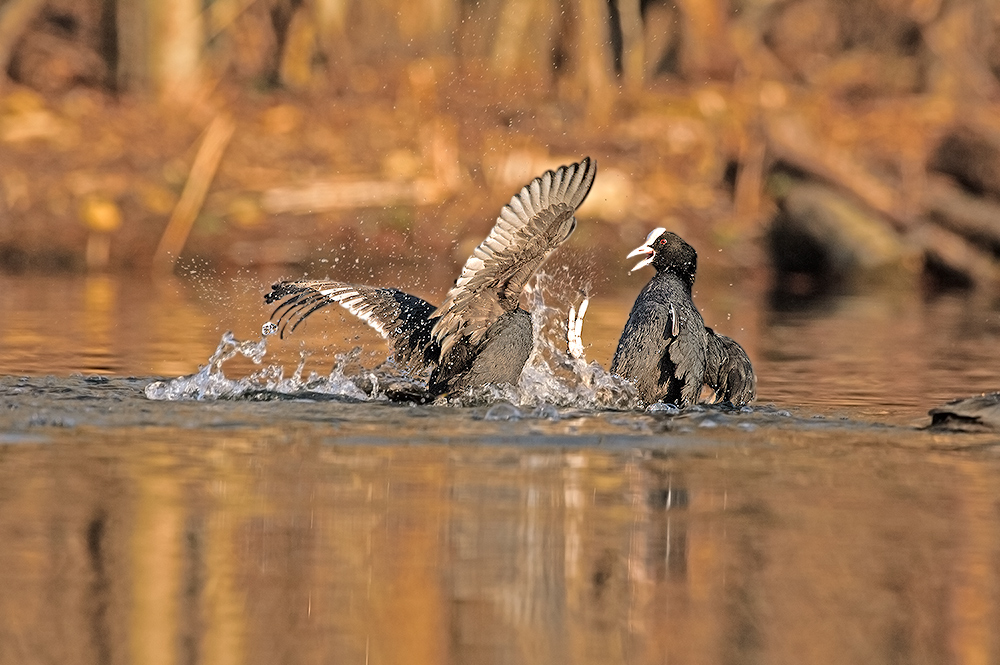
{"type": "Point", "coordinates": [479, 334]}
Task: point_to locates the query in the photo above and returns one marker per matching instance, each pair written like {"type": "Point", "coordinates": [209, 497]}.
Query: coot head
{"type": "Point", "coordinates": [667, 252]}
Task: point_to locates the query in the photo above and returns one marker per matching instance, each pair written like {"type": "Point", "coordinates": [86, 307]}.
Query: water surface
{"type": "Point", "coordinates": [821, 526]}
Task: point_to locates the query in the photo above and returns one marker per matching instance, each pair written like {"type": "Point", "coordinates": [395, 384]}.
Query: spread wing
{"type": "Point", "coordinates": [728, 370]}
{"type": "Point", "coordinates": [536, 221]}
{"type": "Point", "coordinates": [402, 319]}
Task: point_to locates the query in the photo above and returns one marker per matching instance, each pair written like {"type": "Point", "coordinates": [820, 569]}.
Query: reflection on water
{"type": "Point", "coordinates": [283, 545]}
{"type": "Point", "coordinates": [252, 532]}
{"type": "Point", "coordinates": [886, 354]}
{"type": "Point", "coordinates": [100, 324]}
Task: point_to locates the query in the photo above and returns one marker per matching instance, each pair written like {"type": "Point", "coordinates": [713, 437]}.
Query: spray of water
{"type": "Point", "coordinates": [211, 382]}
{"type": "Point", "coordinates": [556, 375]}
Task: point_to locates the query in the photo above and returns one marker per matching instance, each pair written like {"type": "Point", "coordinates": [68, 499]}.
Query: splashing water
{"type": "Point", "coordinates": [558, 375]}
{"type": "Point", "coordinates": [552, 377]}
{"type": "Point", "coordinates": [210, 382]}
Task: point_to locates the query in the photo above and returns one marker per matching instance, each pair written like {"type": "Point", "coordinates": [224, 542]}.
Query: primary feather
{"type": "Point", "coordinates": [538, 219]}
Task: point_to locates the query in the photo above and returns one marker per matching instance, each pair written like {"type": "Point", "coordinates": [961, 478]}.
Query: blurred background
{"type": "Point", "coordinates": [851, 138]}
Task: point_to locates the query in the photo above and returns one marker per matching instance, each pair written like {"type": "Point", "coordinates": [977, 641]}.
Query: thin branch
{"type": "Point", "coordinates": [206, 163]}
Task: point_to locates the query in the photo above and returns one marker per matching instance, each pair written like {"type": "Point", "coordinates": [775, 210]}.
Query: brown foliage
{"type": "Point", "coordinates": [689, 107]}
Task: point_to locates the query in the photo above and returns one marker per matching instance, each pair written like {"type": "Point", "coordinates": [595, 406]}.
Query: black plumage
{"type": "Point", "coordinates": [665, 348]}
{"type": "Point", "coordinates": [728, 371]}
{"type": "Point", "coordinates": [479, 334]}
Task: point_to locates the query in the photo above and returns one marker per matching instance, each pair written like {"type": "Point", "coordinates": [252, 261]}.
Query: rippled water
{"type": "Point", "coordinates": [820, 526]}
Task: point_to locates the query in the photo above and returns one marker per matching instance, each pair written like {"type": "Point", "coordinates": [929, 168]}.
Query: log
{"type": "Point", "coordinates": [440, 148]}
{"type": "Point", "coordinates": [949, 226]}
{"type": "Point", "coordinates": [825, 232]}
{"type": "Point", "coordinates": [957, 254]}
{"type": "Point", "coordinates": [206, 163]}
{"type": "Point", "coordinates": [971, 155]}
{"type": "Point", "coordinates": [975, 218]}
{"type": "Point", "coordinates": [789, 140]}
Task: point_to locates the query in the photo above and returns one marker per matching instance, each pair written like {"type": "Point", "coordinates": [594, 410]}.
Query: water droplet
{"type": "Point", "coordinates": [503, 411]}
{"type": "Point", "coordinates": [268, 328]}
{"type": "Point", "coordinates": [546, 412]}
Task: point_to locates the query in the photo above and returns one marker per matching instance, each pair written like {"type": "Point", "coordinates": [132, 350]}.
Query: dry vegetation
{"type": "Point", "coordinates": [861, 137]}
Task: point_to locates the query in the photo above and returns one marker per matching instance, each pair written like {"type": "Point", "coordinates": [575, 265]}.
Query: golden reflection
{"type": "Point", "coordinates": [407, 624]}
{"type": "Point", "coordinates": [24, 335]}
{"type": "Point", "coordinates": [157, 566]}
{"type": "Point", "coordinates": [175, 323]}
{"type": "Point", "coordinates": [100, 296]}
{"type": "Point", "coordinates": [973, 608]}
{"type": "Point", "coordinates": [223, 604]}
{"type": "Point", "coordinates": [260, 546]}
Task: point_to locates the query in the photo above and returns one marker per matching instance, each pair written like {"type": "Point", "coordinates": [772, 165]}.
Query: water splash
{"type": "Point", "coordinates": [558, 374]}
{"type": "Point", "coordinates": [211, 382]}
{"type": "Point", "coordinates": [554, 376]}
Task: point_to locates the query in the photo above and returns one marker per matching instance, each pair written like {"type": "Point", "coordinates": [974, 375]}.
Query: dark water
{"type": "Point", "coordinates": [820, 526]}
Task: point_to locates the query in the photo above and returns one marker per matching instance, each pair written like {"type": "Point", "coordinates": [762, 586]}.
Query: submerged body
{"type": "Point", "coordinates": [665, 350]}
{"type": "Point", "coordinates": [479, 334]}
{"type": "Point", "coordinates": [970, 414]}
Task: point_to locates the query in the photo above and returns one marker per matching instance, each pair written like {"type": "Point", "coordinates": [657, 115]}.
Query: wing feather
{"type": "Point", "coordinates": [728, 370]}
{"type": "Point", "coordinates": [402, 319]}
{"type": "Point", "coordinates": [684, 360]}
{"type": "Point", "coordinates": [538, 219]}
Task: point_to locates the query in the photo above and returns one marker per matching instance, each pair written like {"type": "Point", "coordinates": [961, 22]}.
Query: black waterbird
{"type": "Point", "coordinates": [479, 334]}
{"type": "Point", "coordinates": [665, 348]}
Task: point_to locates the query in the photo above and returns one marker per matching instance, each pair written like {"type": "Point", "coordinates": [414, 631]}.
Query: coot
{"type": "Point", "coordinates": [479, 334]}
{"type": "Point", "coordinates": [665, 348]}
